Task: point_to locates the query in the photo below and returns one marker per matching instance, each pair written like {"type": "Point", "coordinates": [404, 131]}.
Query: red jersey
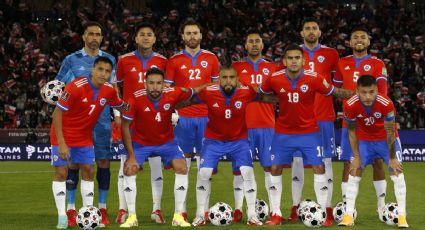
{"type": "Point", "coordinates": [132, 68]}
{"type": "Point", "coordinates": [322, 60]}
{"type": "Point", "coordinates": [258, 114]}
{"type": "Point", "coordinates": [82, 105]}
{"type": "Point", "coordinates": [226, 115]}
{"type": "Point", "coordinates": [370, 120]}
{"type": "Point", "coordinates": [152, 119]}
{"type": "Point", "coordinates": [296, 100]}
{"type": "Point", "coordinates": [350, 68]}
{"type": "Point", "coordinates": [185, 70]}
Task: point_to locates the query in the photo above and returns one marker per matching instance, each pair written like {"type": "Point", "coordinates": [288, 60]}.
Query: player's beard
{"type": "Point", "coordinates": [155, 94]}
{"type": "Point", "coordinates": [228, 90]}
{"type": "Point", "coordinates": [360, 49]}
{"type": "Point", "coordinates": [93, 45]}
{"type": "Point", "coordinates": [311, 39]}
{"type": "Point", "coordinates": [192, 43]}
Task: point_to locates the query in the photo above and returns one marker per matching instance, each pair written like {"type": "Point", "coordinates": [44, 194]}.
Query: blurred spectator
{"type": "Point", "coordinates": [33, 43]}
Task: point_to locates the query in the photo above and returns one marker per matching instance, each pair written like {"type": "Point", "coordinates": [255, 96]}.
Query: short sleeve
{"type": "Point", "coordinates": [338, 80]}
{"type": "Point", "coordinates": [266, 87]}
{"type": "Point", "coordinates": [120, 71]}
{"type": "Point", "coordinates": [322, 86]}
{"type": "Point", "coordinates": [170, 72]}
{"type": "Point", "coordinates": [68, 97]}
{"type": "Point", "coordinates": [349, 113]}
{"type": "Point", "coordinates": [215, 69]}
{"type": "Point", "coordinates": [131, 111]}
{"type": "Point", "coordinates": [389, 114]}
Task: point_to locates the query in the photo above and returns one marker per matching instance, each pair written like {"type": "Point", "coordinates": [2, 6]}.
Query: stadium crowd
{"type": "Point", "coordinates": [33, 44]}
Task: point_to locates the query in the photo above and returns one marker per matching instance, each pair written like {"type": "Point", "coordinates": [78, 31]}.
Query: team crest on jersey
{"type": "Point", "coordinates": [166, 106]}
{"type": "Point", "coordinates": [377, 114]}
{"type": "Point", "coordinates": [102, 101]}
{"type": "Point", "coordinates": [266, 71]}
{"type": "Point", "coordinates": [304, 88]}
{"type": "Point", "coordinates": [238, 104]}
{"type": "Point", "coordinates": [320, 59]}
{"type": "Point", "coordinates": [55, 158]}
{"type": "Point", "coordinates": [367, 67]}
{"type": "Point", "coordinates": [204, 64]}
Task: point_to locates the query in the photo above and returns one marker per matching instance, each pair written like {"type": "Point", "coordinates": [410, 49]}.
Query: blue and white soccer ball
{"type": "Point", "coordinates": [221, 214]}
{"type": "Point", "coordinates": [339, 211]}
{"type": "Point", "coordinates": [312, 215]}
{"type": "Point", "coordinates": [51, 91]}
{"type": "Point", "coordinates": [389, 214]}
{"type": "Point", "coordinates": [88, 218]}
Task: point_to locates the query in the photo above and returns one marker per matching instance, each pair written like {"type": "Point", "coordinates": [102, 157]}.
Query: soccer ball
{"type": "Point", "coordinates": [52, 91]}
{"type": "Point", "coordinates": [262, 209]}
{"type": "Point", "coordinates": [389, 214]}
{"type": "Point", "coordinates": [339, 212]}
{"type": "Point", "coordinates": [303, 204]}
{"type": "Point", "coordinates": [313, 216]}
{"type": "Point", "coordinates": [88, 218]}
{"type": "Point", "coordinates": [221, 214]}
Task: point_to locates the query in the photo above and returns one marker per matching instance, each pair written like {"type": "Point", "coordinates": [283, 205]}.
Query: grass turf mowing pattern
{"type": "Point", "coordinates": [26, 200]}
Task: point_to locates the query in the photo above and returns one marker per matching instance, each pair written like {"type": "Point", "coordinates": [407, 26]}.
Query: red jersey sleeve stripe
{"type": "Point", "coordinates": [169, 81]}
{"type": "Point", "coordinates": [127, 117]}
{"type": "Point", "coordinates": [64, 108]}
{"type": "Point", "coordinates": [331, 91]}
{"type": "Point", "coordinates": [381, 78]}
{"type": "Point", "coordinates": [265, 91]}
{"type": "Point", "coordinates": [115, 106]}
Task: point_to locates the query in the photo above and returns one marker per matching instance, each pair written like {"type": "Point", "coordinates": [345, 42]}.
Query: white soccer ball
{"type": "Point", "coordinates": [51, 91]}
{"type": "Point", "coordinates": [221, 214]}
{"type": "Point", "coordinates": [303, 204]}
{"type": "Point", "coordinates": [389, 214]}
{"type": "Point", "coordinates": [313, 216]}
{"type": "Point", "coordinates": [88, 218]}
{"type": "Point", "coordinates": [339, 211]}
{"type": "Point", "coordinates": [261, 209]}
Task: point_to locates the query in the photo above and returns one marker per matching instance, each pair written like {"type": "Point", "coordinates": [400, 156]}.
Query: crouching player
{"type": "Point", "coordinates": [74, 118]}
{"type": "Point", "coordinates": [370, 117]}
{"type": "Point", "coordinates": [152, 134]}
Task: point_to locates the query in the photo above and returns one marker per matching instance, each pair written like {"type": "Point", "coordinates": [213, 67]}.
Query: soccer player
{"type": "Point", "coordinates": [152, 134]}
{"type": "Point", "coordinates": [348, 71]}
{"type": "Point", "coordinates": [131, 70]}
{"type": "Point", "coordinates": [80, 64]}
{"type": "Point", "coordinates": [370, 117]}
{"type": "Point", "coordinates": [296, 128]}
{"type": "Point", "coordinates": [191, 67]}
{"type": "Point", "coordinates": [323, 60]}
{"type": "Point", "coordinates": [226, 134]}
{"type": "Point", "coordinates": [260, 116]}
{"type": "Point", "coordinates": [74, 118]}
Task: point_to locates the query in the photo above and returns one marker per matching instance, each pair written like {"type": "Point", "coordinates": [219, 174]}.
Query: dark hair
{"type": "Point", "coordinates": [91, 23]}
{"type": "Point", "coordinates": [359, 28]}
{"type": "Point", "coordinates": [190, 22]}
{"type": "Point", "coordinates": [144, 25]}
{"type": "Point", "coordinates": [154, 71]}
{"type": "Point", "coordinates": [310, 19]}
{"type": "Point", "coordinates": [293, 46]}
{"type": "Point", "coordinates": [103, 59]}
{"type": "Point", "coordinates": [366, 80]}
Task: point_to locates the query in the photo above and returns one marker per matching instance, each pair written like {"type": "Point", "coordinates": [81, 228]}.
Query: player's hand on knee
{"type": "Point", "coordinates": [396, 166]}
{"type": "Point", "coordinates": [131, 166]}
{"type": "Point", "coordinates": [63, 151]}
{"type": "Point", "coordinates": [355, 166]}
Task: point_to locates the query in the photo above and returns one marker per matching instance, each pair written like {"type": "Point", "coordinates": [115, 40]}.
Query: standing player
{"type": "Point", "coordinates": [260, 118]}
{"type": "Point", "coordinates": [74, 118]}
{"type": "Point", "coordinates": [80, 64]}
{"type": "Point", "coordinates": [348, 71]}
{"type": "Point", "coordinates": [131, 70]}
{"type": "Point", "coordinates": [226, 134]}
{"type": "Point", "coordinates": [152, 134]}
{"type": "Point", "coordinates": [370, 117]}
{"type": "Point", "coordinates": [322, 60]}
{"type": "Point", "coordinates": [296, 128]}
{"type": "Point", "coordinates": [189, 68]}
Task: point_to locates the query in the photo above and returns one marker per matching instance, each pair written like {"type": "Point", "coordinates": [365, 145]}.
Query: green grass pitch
{"type": "Point", "coordinates": [26, 200]}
